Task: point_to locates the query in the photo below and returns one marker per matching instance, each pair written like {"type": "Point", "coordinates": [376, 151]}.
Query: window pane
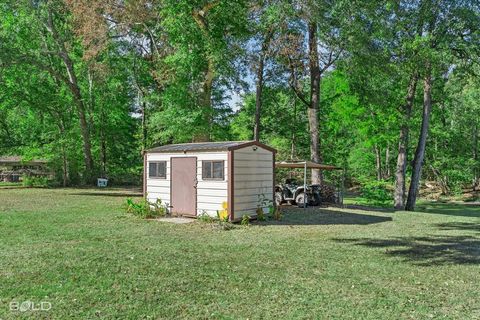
{"type": "Point", "coordinates": [207, 170]}
{"type": "Point", "coordinates": [162, 169]}
{"type": "Point", "coordinates": [218, 170]}
{"type": "Point", "coordinates": [152, 169]}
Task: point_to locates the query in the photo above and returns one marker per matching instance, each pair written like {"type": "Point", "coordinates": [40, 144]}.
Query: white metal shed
{"type": "Point", "coordinates": [198, 178]}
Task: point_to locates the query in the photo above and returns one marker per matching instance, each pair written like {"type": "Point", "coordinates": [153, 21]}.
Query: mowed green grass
{"type": "Point", "coordinates": [78, 250]}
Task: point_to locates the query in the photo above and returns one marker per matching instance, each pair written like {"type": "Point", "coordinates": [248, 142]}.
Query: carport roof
{"type": "Point", "coordinates": [207, 146]}
{"type": "Point", "coordinates": [303, 164]}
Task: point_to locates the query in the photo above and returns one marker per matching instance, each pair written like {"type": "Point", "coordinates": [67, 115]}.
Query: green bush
{"type": "Point", "coordinates": [206, 218]}
{"type": "Point", "coordinates": [245, 220]}
{"type": "Point", "coordinates": [260, 215]}
{"type": "Point", "coordinates": [376, 193]}
{"type": "Point", "coordinates": [145, 209]}
{"type": "Point", "coordinates": [276, 213]}
{"type": "Point", "coordinates": [28, 181]}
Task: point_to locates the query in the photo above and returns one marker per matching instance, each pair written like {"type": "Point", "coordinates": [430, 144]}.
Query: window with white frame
{"type": "Point", "coordinates": [213, 170]}
{"type": "Point", "coordinates": [157, 169]}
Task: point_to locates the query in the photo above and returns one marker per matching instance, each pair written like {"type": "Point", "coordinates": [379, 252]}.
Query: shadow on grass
{"type": "Point", "coordinates": [369, 208]}
{"type": "Point", "coordinates": [108, 194]}
{"type": "Point", "coordinates": [451, 209]}
{"type": "Point", "coordinates": [427, 251]}
{"type": "Point", "coordinates": [462, 226]}
{"type": "Point", "coordinates": [315, 216]}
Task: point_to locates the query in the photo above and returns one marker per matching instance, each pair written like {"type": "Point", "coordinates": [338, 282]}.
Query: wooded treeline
{"type": "Point", "coordinates": [389, 90]}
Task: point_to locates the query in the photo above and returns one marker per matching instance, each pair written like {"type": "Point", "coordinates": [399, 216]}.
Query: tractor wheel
{"type": "Point", "coordinates": [278, 198]}
{"type": "Point", "coordinates": [316, 199]}
{"type": "Point", "coordinates": [300, 199]}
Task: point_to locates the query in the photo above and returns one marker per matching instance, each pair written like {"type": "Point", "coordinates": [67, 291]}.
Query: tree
{"type": "Point", "coordinates": [308, 19]}
{"type": "Point", "coordinates": [53, 58]}
{"type": "Point", "coordinates": [443, 36]}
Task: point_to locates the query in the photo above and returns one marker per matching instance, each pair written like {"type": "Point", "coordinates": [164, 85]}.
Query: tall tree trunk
{"type": "Point", "coordinates": [206, 102]}
{"type": "Point", "coordinates": [422, 143]}
{"type": "Point", "coordinates": [72, 83]}
{"type": "Point", "coordinates": [209, 73]}
{"type": "Point", "coordinates": [64, 167]}
{"type": "Point", "coordinates": [87, 146]}
{"type": "Point", "coordinates": [259, 84]}
{"type": "Point", "coordinates": [103, 142]}
{"type": "Point", "coordinates": [91, 100]}
{"type": "Point", "coordinates": [144, 126]}
{"type": "Point", "coordinates": [401, 170]}
{"type": "Point", "coordinates": [476, 170]}
{"type": "Point", "coordinates": [386, 169]}
{"type": "Point", "coordinates": [378, 161]}
{"type": "Point", "coordinates": [258, 98]}
{"type": "Point", "coordinates": [294, 129]}
{"type": "Point", "coordinates": [65, 175]}
{"type": "Point", "coordinates": [314, 101]}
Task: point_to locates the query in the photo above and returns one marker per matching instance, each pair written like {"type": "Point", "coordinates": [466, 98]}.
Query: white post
{"type": "Point", "coordinates": [305, 186]}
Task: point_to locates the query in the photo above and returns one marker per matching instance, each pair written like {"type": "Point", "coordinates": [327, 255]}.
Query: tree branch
{"type": "Point", "coordinates": [293, 83]}
{"type": "Point", "coordinates": [199, 15]}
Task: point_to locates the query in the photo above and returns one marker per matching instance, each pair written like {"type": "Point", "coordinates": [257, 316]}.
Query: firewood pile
{"type": "Point", "coordinates": [327, 193]}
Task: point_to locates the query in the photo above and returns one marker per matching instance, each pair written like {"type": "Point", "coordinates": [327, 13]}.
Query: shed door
{"type": "Point", "coordinates": [184, 186]}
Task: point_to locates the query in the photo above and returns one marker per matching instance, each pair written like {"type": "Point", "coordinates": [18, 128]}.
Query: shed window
{"type": "Point", "coordinates": [157, 169]}
{"type": "Point", "coordinates": [213, 170]}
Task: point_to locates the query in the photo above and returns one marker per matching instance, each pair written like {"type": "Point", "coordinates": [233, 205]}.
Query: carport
{"type": "Point", "coordinates": [304, 164]}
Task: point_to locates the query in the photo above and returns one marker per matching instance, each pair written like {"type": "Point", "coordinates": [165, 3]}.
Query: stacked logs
{"type": "Point", "coordinates": [327, 193]}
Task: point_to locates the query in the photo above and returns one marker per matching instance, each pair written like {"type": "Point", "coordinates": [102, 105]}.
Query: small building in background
{"type": "Point", "coordinates": [13, 168]}
{"type": "Point", "coordinates": [207, 178]}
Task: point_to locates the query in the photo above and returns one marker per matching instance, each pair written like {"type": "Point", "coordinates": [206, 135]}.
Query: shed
{"type": "Point", "coordinates": [204, 178]}
{"type": "Point", "coordinates": [13, 168]}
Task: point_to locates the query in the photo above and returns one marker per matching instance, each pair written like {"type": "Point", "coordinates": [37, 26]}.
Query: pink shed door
{"type": "Point", "coordinates": [183, 191]}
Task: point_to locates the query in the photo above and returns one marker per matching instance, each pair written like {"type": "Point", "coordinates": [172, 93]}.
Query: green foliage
{"type": "Point", "coordinates": [39, 182]}
{"type": "Point", "coordinates": [217, 223]}
{"type": "Point", "coordinates": [245, 220]}
{"type": "Point", "coordinates": [377, 192]}
{"type": "Point", "coordinates": [277, 214]}
{"type": "Point", "coordinates": [150, 88]}
{"type": "Point", "coordinates": [263, 203]}
{"type": "Point", "coordinates": [206, 218]}
{"type": "Point", "coordinates": [260, 215]}
{"type": "Point", "coordinates": [145, 209]}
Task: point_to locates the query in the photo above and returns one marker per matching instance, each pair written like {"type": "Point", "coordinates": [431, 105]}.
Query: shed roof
{"type": "Point", "coordinates": [208, 146]}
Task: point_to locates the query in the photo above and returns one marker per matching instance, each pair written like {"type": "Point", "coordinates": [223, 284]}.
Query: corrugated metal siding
{"type": "Point", "coordinates": [253, 176]}
{"type": "Point", "coordinates": [210, 194]}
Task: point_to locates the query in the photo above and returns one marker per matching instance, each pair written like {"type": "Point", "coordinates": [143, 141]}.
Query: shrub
{"type": "Point", "coordinates": [263, 202]}
{"type": "Point", "coordinates": [28, 181]}
{"type": "Point", "coordinates": [145, 209]}
{"type": "Point", "coordinates": [376, 193]}
{"type": "Point", "coordinates": [218, 223]}
{"type": "Point", "coordinates": [245, 220]}
{"type": "Point", "coordinates": [276, 213]}
{"type": "Point", "coordinates": [260, 214]}
{"type": "Point", "coordinates": [205, 217]}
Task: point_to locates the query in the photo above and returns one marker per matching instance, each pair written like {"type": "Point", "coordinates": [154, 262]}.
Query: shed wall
{"type": "Point", "coordinates": [253, 176]}
{"type": "Point", "coordinates": [210, 194]}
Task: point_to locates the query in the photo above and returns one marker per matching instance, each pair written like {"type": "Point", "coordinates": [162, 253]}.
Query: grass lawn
{"type": "Point", "coordinates": [78, 250]}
